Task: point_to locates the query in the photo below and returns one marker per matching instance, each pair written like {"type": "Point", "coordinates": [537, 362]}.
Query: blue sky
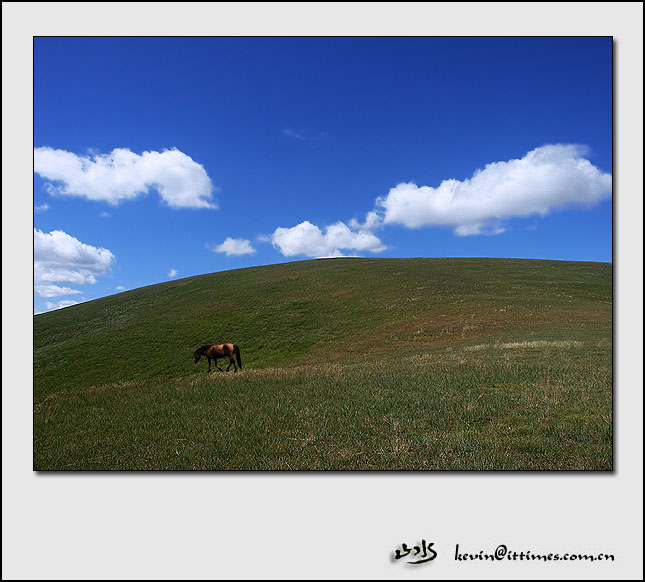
{"type": "Point", "coordinates": [163, 158]}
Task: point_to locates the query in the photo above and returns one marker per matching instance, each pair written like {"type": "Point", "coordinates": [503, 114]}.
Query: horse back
{"type": "Point", "coordinates": [221, 351]}
{"type": "Point", "coordinates": [228, 349]}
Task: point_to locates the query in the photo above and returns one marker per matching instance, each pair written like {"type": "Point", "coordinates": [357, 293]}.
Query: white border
{"type": "Point", "coordinates": [313, 526]}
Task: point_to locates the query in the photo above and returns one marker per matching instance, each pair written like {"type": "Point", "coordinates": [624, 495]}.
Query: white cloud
{"type": "Point", "coordinates": [65, 303]}
{"type": "Point", "coordinates": [59, 257]}
{"type": "Point", "coordinates": [233, 247]}
{"type": "Point", "coordinates": [41, 208]}
{"type": "Point", "coordinates": [122, 175]}
{"type": "Point", "coordinates": [120, 288]}
{"type": "Point", "coordinates": [307, 239]}
{"type": "Point", "coordinates": [478, 228]}
{"type": "Point", "coordinates": [53, 290]}
{"type": "Point", "coordinates": [547, 178]}
{"type": "Point", "coordinates": [172, 273]}
{"type": "Point", "coordinates": [372, 220]}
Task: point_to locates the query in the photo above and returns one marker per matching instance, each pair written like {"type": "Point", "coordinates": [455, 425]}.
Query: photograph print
{"type": "Point", "coordinates": [322, 254]}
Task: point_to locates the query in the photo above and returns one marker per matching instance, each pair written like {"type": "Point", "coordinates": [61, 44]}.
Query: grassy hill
{"type": "Point", "coordinates": [348, 364]}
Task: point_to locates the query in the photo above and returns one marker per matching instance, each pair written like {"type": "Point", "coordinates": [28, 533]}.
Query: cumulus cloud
{"type": "Point", "coordinates": [172, 273]}
{"type": "Point", "coordinates": [373, 220]}
{"type": "Point", "coordinates": [122, 175]}
{"type": "Point", "coordinates": [309, 240]}
{"type": "Point", "coordinates": [59, 257]}
{"type": "Point", "coordinates": [547, 178]}
{"type": "Point", "coordinates": [233, 247]}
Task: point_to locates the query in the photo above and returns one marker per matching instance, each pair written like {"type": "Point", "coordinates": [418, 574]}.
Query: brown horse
{"type": "Point", "coordinates": [221, 351]}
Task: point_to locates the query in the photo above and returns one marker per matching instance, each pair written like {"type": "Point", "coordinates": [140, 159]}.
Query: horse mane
{"type": "Point", "coordinates": [203, 348]}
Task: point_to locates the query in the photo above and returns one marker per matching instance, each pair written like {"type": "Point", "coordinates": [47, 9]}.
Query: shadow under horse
{"type": "Point", "coordinates": [221, 351]}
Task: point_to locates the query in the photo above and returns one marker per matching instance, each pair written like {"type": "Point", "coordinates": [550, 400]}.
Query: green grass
{"type": "Point", "coordinates": [349, 364]}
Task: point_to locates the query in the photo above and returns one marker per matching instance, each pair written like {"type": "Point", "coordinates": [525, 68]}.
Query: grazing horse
{"type": "Point", "coordinates": [221, 351]}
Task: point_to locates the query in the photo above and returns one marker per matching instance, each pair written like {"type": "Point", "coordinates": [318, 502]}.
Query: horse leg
{"type": "Point", "coordinates": [209, 365]}
{"type": "Point", "coordinates": [232, 362]}
{"type": "Point", "coordinates": [220, 369]}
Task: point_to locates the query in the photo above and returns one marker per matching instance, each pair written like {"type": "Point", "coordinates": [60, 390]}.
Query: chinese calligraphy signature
{"type": "Point", "coordinates": [420, 554]}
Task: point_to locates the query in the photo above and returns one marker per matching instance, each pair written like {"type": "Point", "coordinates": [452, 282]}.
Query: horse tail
{"type": "Point", "coordinates": [236, 349]}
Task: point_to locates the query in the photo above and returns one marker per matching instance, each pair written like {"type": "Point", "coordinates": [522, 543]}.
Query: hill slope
{"type": "Point", "coordinates": [350, 319]}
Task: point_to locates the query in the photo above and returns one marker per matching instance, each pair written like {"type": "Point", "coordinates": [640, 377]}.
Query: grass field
{"type": "Point", "coordinates": [349, 364]}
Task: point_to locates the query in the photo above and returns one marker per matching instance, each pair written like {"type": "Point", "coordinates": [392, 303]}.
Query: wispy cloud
{"type": "Point", "coordinates": [172, 273]}
{"type": "Point", "coordinates": [53, 290]}
{"type": "Point", "coordinates": [304, 136]}
{"type": "Point", "coordinates": [123, 175]}
{"type": "Point", "coordinates": [41, 208]}
{"type": "Point", "coordinates": [293, 134]}
{"type": "Point", "coordinates": [233, 247]}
